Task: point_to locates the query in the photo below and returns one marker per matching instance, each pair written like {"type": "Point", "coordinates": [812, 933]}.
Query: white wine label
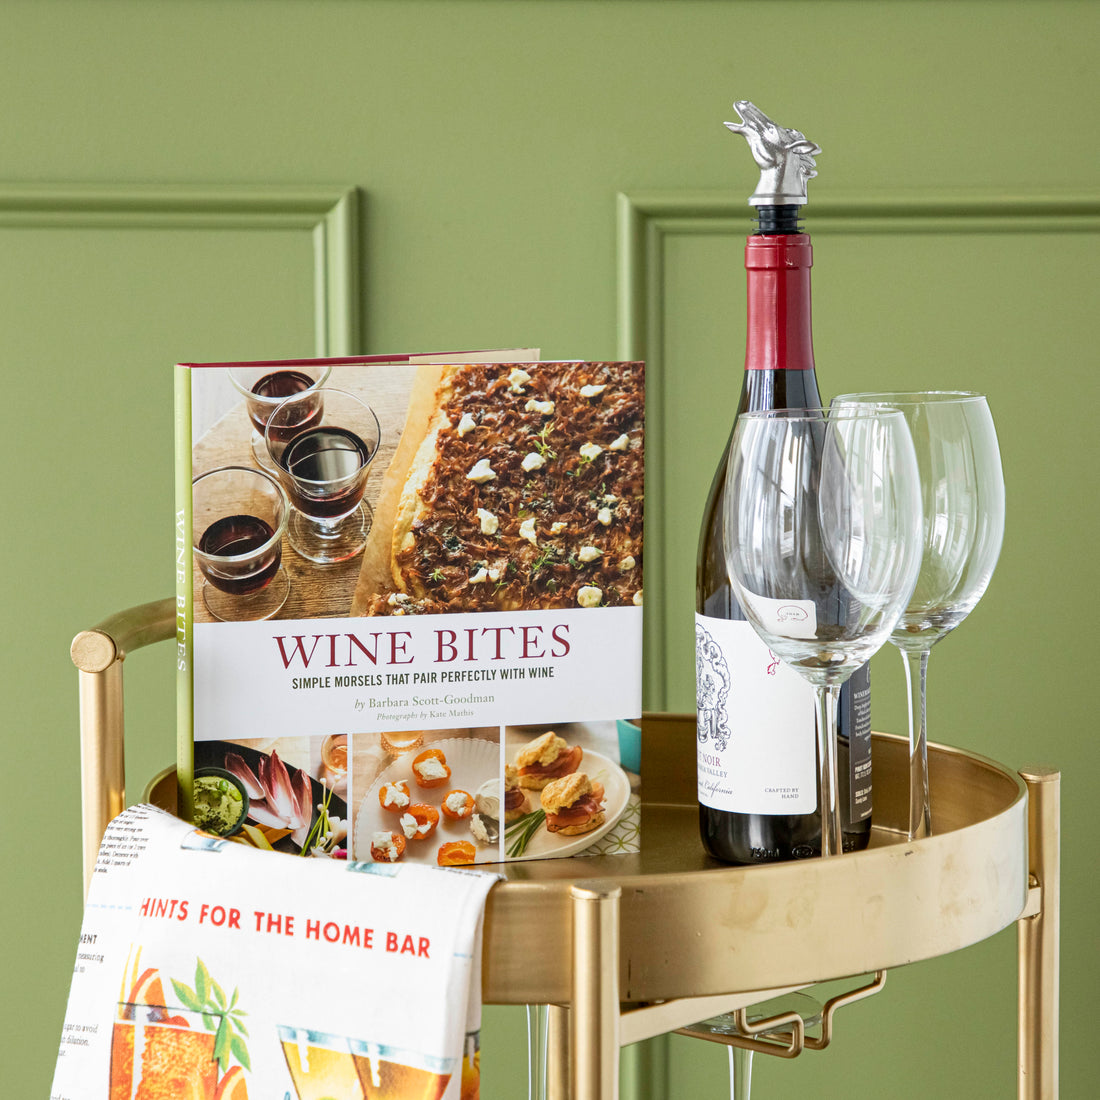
{"type": "Point", "coordinates": [757, 741]}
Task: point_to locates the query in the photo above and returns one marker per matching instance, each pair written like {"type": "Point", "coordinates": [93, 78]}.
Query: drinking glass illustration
{"type": "Point", "coordinates": [964, 516]}
{"type": "Point", "coordinates": [162, 1051]}
{"type": "Point", "coordinates": [266, 386]}
{"type": "Point", "coordinates": [470, 1086]}
{"type": "Point", "coordinates": [322, 443]}
{"type": "Point", "coordinates": [321, 1065]}
{"type": "Point", "coordinates": [823, 535]}
{"type": "Point", "coordinates": [387, 1073]}
{"type": "Point", "coordinates": [239, 516]}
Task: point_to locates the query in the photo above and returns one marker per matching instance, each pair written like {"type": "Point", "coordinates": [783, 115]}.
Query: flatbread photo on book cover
{"type": "Point", "coordinates": [515, 486]}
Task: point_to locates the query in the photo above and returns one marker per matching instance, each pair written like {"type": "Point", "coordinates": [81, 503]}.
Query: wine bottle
{"type": "Point", "coordinates": [757, 745]}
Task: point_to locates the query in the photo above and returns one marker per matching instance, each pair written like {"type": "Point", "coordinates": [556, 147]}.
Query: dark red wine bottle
{"type": "Point", "coordinates": [757, 753]}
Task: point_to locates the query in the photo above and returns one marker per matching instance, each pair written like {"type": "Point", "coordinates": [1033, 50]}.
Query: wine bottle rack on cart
{"type": "Point", "coordinates": [662, 938]}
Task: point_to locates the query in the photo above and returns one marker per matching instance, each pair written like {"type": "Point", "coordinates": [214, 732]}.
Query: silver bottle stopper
{"type": "Point", "coordinates": [785, 157]}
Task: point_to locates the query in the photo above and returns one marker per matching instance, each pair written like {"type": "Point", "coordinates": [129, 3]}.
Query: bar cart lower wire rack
{"type": "Point", "coordinates": [657, 940]}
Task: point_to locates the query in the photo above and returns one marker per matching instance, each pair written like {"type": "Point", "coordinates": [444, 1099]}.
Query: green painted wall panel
{"type": "Point", "coordinates": [491, 139]}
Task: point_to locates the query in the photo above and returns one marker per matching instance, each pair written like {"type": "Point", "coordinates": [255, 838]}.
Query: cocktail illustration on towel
{"type": "Point", "coordinates": [189, 1044]}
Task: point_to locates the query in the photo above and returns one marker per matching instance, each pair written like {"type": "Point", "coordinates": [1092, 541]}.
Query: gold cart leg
{"type": "Point", "coordinates": [98, 654]}
{"type": "Point", "coordinates": [1037, 939]}
{"type": "Point", "coordinates": [595, 1013]}
{"type": "Point", "coordinates": [102, 769]}
{"type": "Point", "coordinates": [558, 1084]}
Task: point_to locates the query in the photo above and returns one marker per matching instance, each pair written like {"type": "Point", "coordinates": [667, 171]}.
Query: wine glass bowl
{"type": "Point", "coordinates": [822, 550]}
{"type": "Point", "coordinates": [822, 528]}
{"type": "Point", "coordinates": [322, 443]}
{"type": "Point", "coordinates": [264, 387]}
{"type": "Point", "coordinates": [964, 501]}
{"type": "Point", "coordinates": [962, 490]}
{"type": "Point", "coordinates": [239, 517]}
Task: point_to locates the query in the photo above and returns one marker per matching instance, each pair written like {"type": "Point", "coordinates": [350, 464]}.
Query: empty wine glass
{"type": "Point", "coordinates": [322, 443]}
{"type": "Point", "coordinates": [740, 1058]}
{"type": "Point", "coordinates": [239, 516]}
{"type": "Point", "coordinates": [963, 492]}
{"type": "Point", "coordinates": [822, 523]}
{"type": "Point", "coordinates": [265, 386]}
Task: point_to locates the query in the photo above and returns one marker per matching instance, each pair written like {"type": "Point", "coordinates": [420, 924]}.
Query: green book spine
{"type": "Point", "coordinates": [184, 609]}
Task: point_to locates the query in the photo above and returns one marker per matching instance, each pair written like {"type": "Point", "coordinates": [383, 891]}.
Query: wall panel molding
{"type": "Point", "coordinates": [647, 219]}
{"type": "Point", "coordinates": [330, 214]}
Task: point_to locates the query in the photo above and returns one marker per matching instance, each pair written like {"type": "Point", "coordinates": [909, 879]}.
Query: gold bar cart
{"type": "Point", "coordinates": [665, 937]}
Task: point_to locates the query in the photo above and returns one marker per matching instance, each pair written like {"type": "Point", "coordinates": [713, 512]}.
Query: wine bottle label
{"type": "Point", "coordinates": [784, 618]}
{"type": "Point", "coordinates": [855, 716]}
{"type": "Point", "coordinates": [756, 724]}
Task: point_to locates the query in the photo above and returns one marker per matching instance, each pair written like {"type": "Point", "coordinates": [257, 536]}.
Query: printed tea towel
{"type": "Point", "coordinates": [208, 970]}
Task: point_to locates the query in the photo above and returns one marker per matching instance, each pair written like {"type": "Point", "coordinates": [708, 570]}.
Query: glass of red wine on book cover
{"type": "Point", "coordinates": [266, 387]}
{"type": "Point", "coordinates": [322, 442]}
{"type": "Point", "coordinates": [239, 516]}
{"type": "Point", "coordinates": [823, 544]}
{"type": "Point", "coordinates": [964, 519]}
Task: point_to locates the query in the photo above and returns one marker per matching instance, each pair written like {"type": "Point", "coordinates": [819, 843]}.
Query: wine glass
{"type": "Point", "coordinates": [322, 442]}
{"type": "Point", "coordinates": [822, 523]}
{"type": "Point", "coordinates": [740, 1058]}
{"type": "Point", "coordinates": [238, 518]}
{"type": "Point", "coordinates": [964, 509]}
{"type": "Point", "coordinates": [265, 386]}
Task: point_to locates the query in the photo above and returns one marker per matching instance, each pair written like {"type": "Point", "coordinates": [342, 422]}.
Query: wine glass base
{"type": "Point", "coordinates": [327, 544]}
{"type": "Point", "coordinates": [250, 607]}
{"type": "Point", "coordinates": [807, 1006]}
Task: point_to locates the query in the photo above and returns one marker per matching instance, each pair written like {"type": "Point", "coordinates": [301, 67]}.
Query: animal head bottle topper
{"type": "Point", "coordinates": [785, 157]}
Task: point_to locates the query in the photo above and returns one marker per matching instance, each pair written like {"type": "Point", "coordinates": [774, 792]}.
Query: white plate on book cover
{"type": "Point", "coordinates": [472, 761]}
{"type": "Point", "coordinates": [616, 788]}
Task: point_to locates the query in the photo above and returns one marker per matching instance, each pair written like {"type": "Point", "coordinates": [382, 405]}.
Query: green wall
{"type": "Point", "coordinates": [166, 170]}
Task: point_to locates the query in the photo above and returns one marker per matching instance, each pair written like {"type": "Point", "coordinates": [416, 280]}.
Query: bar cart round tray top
{"type": "Point", "coordinates": [691, 927]}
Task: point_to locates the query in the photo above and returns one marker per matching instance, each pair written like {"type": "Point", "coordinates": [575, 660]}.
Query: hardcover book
{"type": "Point", "coordinates": [409, 601]}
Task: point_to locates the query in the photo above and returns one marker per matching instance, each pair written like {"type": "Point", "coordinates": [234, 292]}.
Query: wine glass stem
{"type": "Point", "coordinates": [538, 1019]}
{"type": "Point", "coordinates": [916, 678]}
{"type": "Point", "coordinates": [740, 1073]}
{"type": "Point", "coordinates": [827, 698]}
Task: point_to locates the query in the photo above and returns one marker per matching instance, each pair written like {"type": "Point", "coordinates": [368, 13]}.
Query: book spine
{"type": "Point", "coordinates": [185, 753]}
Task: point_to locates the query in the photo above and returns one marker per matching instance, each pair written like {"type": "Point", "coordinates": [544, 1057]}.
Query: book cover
{"type": "Point", "coordinates": [409, 597]}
